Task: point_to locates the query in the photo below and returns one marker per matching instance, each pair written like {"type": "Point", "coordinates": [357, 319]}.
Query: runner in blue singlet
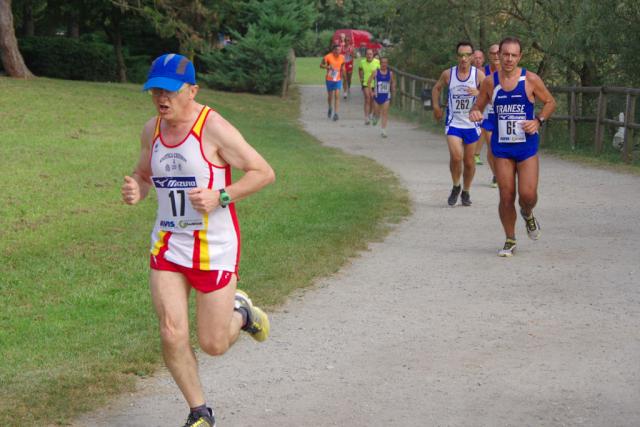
{"type": "Point", "coordinates": [383, 88]}
{"type": "Point", "coordinates": [514, 143]}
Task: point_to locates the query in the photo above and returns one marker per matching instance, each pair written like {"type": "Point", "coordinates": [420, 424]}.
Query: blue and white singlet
{"type": "Point", "coordinates": [383, 87]}
{"type": "Point", "coordinates": [460, 101]}
{"type": "Point", "coordinates": [509, 140]}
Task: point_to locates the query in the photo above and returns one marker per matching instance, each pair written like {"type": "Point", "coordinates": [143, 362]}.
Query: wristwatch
{"type": "Point", "coordinates": [225, 199]}
{"type": "Point", "coordinates": [540, 120]}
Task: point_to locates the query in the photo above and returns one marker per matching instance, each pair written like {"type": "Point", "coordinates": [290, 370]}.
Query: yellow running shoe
{"type": "Point", "coordinates": [508, 249]}
{"type": "Point", "coordinates": [257, 320]}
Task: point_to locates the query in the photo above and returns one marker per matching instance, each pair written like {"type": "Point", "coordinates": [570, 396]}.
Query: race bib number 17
{"type": "Point", "coordinates": [174, 209]}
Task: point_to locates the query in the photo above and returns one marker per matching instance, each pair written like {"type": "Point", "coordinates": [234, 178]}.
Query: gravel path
{"type": "Point", "coordinates": [430, 327]}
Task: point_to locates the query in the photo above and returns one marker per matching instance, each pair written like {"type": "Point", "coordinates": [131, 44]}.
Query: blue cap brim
{"type": "Point", "coordinates": [163, 83]}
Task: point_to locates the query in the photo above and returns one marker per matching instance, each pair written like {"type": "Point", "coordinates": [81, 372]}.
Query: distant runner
{"type": "Point", "coordinates": [348, 53]}
{"type": "Point", "coordinates": [514, 143]}
{"type": "Point", "coordinates": [384, 86]}
{"type": "Point", "coordinates": [487, 122]}
{"type": "Point", "coordinates": [333, 62]}
{"type": "Point", "coordinates": [367, 66]}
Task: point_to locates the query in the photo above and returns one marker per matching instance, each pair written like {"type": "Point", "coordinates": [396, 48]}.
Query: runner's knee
{"type": "Point", "coordinates": [214, 345]}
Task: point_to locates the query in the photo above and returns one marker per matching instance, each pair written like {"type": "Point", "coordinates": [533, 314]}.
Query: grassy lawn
{"type": "Point", "coordinates": [308, 71]}
{"type": "Point", "coordinates": [76, 323]}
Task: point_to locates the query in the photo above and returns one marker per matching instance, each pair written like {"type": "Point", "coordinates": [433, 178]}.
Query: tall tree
{"type": "Point", "coordinates": [12, 60]}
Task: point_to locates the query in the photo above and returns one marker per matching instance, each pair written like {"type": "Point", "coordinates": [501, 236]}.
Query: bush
{"type": "Point", "coordinates": [70, 59]}
{"type": "Point", "coordinates": [254, 64]}
{"type": "Point", "coordinates": [311, 43]}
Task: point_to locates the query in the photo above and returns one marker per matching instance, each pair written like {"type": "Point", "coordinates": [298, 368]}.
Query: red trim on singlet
{"type": "Point", "coordinates": [234, 218]}
{"type": "Point", "coordinates": [186, 136]}
{"type": "Point", "coordinates": [210, 185]}
{"type": "Point", "coordinates": [196, 250]}
{"type": "Point", "coordinates": [200, 141]}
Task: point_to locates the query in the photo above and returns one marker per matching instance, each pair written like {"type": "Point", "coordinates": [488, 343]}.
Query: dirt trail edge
{"type": "Point", "coordinates": [430, 327]}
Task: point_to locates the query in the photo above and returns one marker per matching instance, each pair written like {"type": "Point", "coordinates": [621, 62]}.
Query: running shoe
{"type": "Point", "coordinates": [329, 113]}
{"type": "Point", "coordinates": [508, 249]}
{"type": "Point", "coordinates": [465, 198]}
{"type": "Point", "coordinates": [200, 420]}
{"type": "Point", "coordinates": [335, 117]}
{"type": "Point", "coordinates": [375, 120]}
{"type": "Point", "coordinates": [533, 227]}
{"type": "Point", "coordinates": [494, 182]}
{"type": "Point", "coordinates": [477, 158]}
{"type": "Point", "coordinates": [257, 320]}
{"type": "Point", "coordinates": [367, 122]}
{"type": "Point", "coordinates": [453, 197]}
{"type": "Point", "coordinates": [384, 133]}
{"type": "Point", "coordinates": [344, 96]}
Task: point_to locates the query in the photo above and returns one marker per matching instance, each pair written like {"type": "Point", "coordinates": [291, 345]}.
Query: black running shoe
{"type": "Point", "coordinates": [200, 420]}
{"type": "Point", "coordinates": [335, 117]}
{"type": "Point", "coordinates": [465, 198]}
{"type": "Point", "coordinates": [533, 227]}
{"type": "Point", "coordinates": [329, 113]}
{"type": "Point", "coordinates": [453, 197]}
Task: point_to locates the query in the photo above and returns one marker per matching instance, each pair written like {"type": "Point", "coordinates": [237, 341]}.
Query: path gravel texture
{"type": "Point", "coordinates": [430, 327]}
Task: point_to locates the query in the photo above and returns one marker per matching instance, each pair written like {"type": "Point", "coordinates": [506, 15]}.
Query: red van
{"type": "Point", "coordinates": [359, 39]}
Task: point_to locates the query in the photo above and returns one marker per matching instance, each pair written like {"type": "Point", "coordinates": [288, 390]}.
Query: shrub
{"type": "Point", "coordinates": [254, 64]}
{"type": "Point", "coordinates": [67, 58]}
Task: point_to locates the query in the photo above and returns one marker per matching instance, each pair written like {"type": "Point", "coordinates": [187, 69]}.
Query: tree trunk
{"type": "Point", "coordinates": [114, 33]}
{"type": "Point", "coordinates": [28, 25]}
{"type": "Point", "coordinates": [12, 60]}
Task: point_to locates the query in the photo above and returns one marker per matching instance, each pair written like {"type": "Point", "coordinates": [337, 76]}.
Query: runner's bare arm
{"type": "Point", "coordinates": [136, 186]}
{"type": "Point", "coordinates": [393, 83]}
{"type": "Point", "coordinates": [361, 74]}
{"type": "Point", "coordinates": [540, 92]}
{"type": "Point", "coordinates": [371, 78]}
{"type": "Point", "coordinates": [435, 94]}
{"type": "Point", "coordinates": [484, 97]}
{"type": "Point", "coordinates": [223, 143]}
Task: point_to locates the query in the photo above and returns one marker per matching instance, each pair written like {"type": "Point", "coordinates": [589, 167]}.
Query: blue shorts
{"type": "Point", "coordinates": [382, 98]}
{"type": "Point", "coordinates": [518, 152]}
{"type": "Point", "coordinates": [331, 85]}
{"type": "Point", "coordinates": [468, 136]}
{"type": "Point", "coordinates": [487, 124]}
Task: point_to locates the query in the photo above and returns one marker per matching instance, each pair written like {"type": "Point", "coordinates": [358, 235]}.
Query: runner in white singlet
{"type": "Point", "coordinates": [463, 81]}
{"type": "Point", "coordinates": [187, 153]}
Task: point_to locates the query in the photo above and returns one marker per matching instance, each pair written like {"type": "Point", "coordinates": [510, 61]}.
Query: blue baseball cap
{"type": "Point", "coordinates": [169, 72]}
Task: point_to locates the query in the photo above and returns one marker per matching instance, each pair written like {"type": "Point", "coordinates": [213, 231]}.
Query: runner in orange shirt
{"type": "Point", "coordinates": [333, 62]}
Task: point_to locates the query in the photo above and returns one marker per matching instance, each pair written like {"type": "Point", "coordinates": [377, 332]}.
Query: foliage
{"type": "Point", "coordinates": [311, 43]}
{"type": "Point", "coordinates": [591, 42]}
{"type": "Point", "coordinates": [254, 64]}
{"type": "Point", "coordinates": [66, 58]}
{"type": "Point", "coordinates": [256, 61]}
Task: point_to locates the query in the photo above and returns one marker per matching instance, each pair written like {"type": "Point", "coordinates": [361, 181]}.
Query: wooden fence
{"type": "Point", "coordinates": [413, 92]}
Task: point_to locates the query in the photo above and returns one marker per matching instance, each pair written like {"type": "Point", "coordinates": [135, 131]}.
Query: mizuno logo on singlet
{"type": "Point", "coordinates": [175, 182]}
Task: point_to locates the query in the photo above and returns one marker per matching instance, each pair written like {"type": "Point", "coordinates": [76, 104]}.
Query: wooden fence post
{"type": "Point", "coordinates": [402, 93]}
{"type": "Point", "coordinates": [413, 94]}
{"type": "Point", "coordinates": [572, 120]}
{"type": "Point", "coordinates": [600, 115]}
{"type": "Point", "coordinates": [629, 115]}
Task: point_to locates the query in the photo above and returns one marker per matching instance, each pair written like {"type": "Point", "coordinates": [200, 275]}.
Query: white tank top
{"type": "Point", "coordinates": [181, 234]}
{"type": "Point", "coordinates": [460, 102]}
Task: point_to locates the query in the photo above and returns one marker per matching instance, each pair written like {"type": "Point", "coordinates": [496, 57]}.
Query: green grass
{"type": "Point", "coordinates": [308, 71]}
{"type": "Point", "coordinates": [76, 323]}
